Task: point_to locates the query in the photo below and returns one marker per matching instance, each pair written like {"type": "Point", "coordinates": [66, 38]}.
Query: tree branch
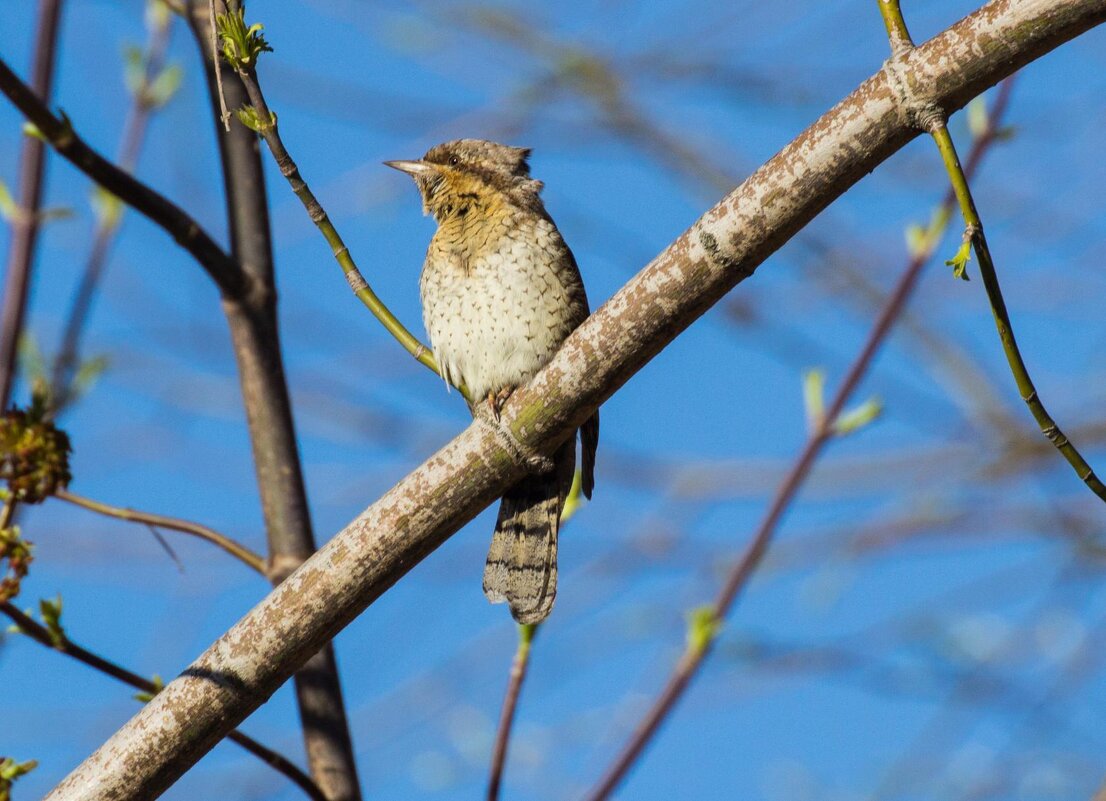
{"type": "Point", "coordinates": [252, 659]}
{"type": "Point", "coordinates": [147, 201]}
{"type": "Point", "coordinates": [27, 625]}
{"type": "Point", "coordinates": [975, 238]}
{"type": "Point", "coordinates": [270, 132]}
{"type": "Point", "coordinates": [68, 358]}
{"type": "Point", "coordinates": [699, 647]}
{"type": "Point", "coordinates": [235, 549]}
{"type": "Point", "coordinates": [32, 169]}
{"type": "Point", "coordinates": [254, 330]}
{"type": "Point", "coordinates": [519, 666]}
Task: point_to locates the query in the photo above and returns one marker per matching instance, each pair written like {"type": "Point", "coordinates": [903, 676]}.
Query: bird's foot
{"type": "Point", "coordinates": [497, 399]}
{"type": "Point", "coordinates": [487, 412]}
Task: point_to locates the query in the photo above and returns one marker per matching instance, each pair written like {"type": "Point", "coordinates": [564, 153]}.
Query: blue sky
{"type": "Point", "coordinates": [917, 666]}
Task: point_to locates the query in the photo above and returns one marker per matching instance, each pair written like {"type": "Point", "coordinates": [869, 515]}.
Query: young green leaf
{"type": "Point", "coordinates": [572, 501]}
{"type": "Point", "coordinates": [242, 44]}
{"type": "Point", "coordinates": [145, 696]}
{"type": "Point", "coordinates": [251, 118]}
{"type": "Point", "coordinates": [959, 262]}
{"type": "Point", "coordinates": [702, 627]}
{"type": "Point", "coordinates": [10, 770]}
{"type": "Point", "coordinates": [162, 89]}
{"type": "Point", "coordinates": [978, 121]}
{"type": "Point", "coordinates": [814, 398]}
{"type": "Point", "coordinates": [855, 419]}
{"type": "Point", "coordinates": [51, 618]}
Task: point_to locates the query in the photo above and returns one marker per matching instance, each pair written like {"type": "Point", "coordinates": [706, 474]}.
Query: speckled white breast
{"type": "Point", "coordinates": [495, 303]}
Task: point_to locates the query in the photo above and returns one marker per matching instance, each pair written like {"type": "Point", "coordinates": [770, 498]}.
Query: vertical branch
{"type": "Point", "coordinates": [253, 325]}
{"type": "Point", "coordinates": [32, 168]}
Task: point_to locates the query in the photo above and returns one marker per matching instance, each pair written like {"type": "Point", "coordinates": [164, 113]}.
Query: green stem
{"type": "Point", "coordinates": [974, 233]}
{"type": "Point", "coordinates": [897, 31]}
{"type": "Point", "coordinates": [269, 132]}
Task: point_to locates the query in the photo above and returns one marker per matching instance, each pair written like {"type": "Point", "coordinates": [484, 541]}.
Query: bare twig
{"type": "Point", "coordinates": [235, 549]}
{"type": "Point", "coordinates": [32, 167]}
{"type": "Point", "coordinates": [723, 247]}
{"type": "Point", "coordinates": [217, 63]}
{"type": "Point", "coordinates": [519, 665]}
{"type": "Point", "coordinates": [698, 649]}
{"type": "Point", "coordinates": [147, 201]}
{"type": "Point", "coordinates": [64, 645]}
{"type": "Point", "coordinates": [107, 227]}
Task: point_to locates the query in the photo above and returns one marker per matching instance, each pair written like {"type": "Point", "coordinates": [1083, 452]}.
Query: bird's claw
{"type": "Point", "coordinates": [497, 399]}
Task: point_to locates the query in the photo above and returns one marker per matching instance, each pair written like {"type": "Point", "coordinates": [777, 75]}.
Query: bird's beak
{"type": "Point", "coordinates": [412, 168]}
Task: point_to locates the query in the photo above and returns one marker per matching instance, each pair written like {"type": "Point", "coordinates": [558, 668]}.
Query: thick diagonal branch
{"type": "Point", "coordinates": [248, 663]}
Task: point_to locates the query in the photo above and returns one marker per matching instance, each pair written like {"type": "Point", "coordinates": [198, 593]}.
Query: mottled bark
{"type": "Point", "coordinates": [248, 663]}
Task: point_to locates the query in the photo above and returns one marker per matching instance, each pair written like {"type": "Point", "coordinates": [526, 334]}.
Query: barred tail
{"type": "Point", "coordinates": [522, 560]}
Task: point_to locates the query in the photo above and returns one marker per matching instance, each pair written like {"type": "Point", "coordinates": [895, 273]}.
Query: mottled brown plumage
{"type": "Point", "coordinates": [500, 292]}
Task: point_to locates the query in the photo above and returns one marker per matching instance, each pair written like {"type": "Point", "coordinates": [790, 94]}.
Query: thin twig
{"type": "Point", "coordinates": [269, 132]}
{"type": "Point", "coordinates": [32, 167]}
{"type": "Point", "coordinates": [691, 660]}
{"type": "Point", "coordinates": [222, 268]}
{"type": "Point", "coordinates": [107, 227]}
{"type": "Point", "coordinates": [521, 662]}
{"type": "Point", "coordinates": [974, 236]}
{"type": "Point", "coordinates": [64, 645]}
{"type": "Point", "coordinates": [519, 665]}
{"type": "Point", "coordinates": [1028, 392]}
{"type": "Point", "coordinates": [224, 115]}
{"type": "Point", "coordinates": [236, 549]}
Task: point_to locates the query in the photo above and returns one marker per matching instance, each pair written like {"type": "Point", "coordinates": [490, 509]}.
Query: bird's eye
{"type": "Point", "coordinates": [454, 161]}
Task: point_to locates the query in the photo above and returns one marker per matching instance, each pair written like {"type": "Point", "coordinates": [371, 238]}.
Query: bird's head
{"type": "Point", "coordinates": [470, 170]}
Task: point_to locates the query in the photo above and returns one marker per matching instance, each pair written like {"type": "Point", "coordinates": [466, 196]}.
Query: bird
{"type": "Point", "coordinates": [500, 292]}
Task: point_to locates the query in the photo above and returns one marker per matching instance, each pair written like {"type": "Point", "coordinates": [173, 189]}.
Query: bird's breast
{"type": "Point", "coordinates": [495, 302]}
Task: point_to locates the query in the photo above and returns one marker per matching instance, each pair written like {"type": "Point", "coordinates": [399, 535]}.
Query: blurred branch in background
{"type": "Point", "coordinates": [188, 233]}
{"type": "Point", "coordinates": [152, 84]}
{"type": "Point", "coordinates": [25, 216]}
{"type": "Point", "coordinates": [519, 665]}
{"type": "Point", "coordinates": [705, 624]}
{"type": "Point", "coordinates": [235, 549]}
